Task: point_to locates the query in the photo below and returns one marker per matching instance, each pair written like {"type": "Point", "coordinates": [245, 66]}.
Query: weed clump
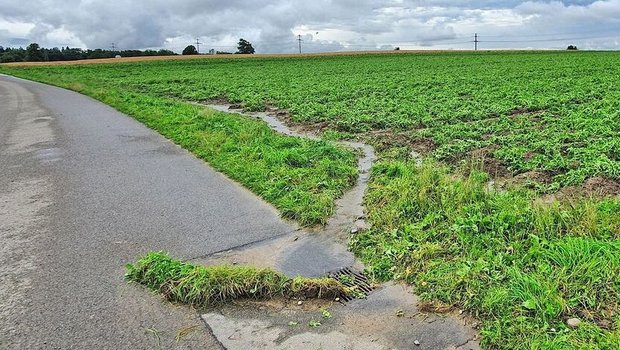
{"type": "Point", "coordinates": [204, 286]}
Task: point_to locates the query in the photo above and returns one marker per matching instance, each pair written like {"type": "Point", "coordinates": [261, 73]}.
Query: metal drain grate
{"type": "Point", "coordinates": [352, 278]}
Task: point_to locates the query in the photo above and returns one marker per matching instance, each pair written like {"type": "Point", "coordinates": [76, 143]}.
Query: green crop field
{"type": "Point", "coordinates": [514, 215]}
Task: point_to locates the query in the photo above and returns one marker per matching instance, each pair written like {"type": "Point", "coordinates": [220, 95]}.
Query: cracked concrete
{"type": "Point", "coordinates": [388, 319]}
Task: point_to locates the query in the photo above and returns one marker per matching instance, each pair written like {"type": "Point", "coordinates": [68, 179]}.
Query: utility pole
{"type": "Point", "coordinates": [299, 39]}
{"type": "Point", "coordinates": [113, 47]}
{"type": "Point", "coordinates": [476, 42]}
{"type": "Point", "coordinates": [198, 45]}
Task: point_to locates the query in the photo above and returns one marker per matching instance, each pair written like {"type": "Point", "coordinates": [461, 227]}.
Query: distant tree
{"type": "Point", "coordinates": [72, 54]}
{"type": "Point", "coordinates": [34, 53]}
{"type": "Point", "coordinates": [571, 47]}
{"type": "Point", "coordinates": [244, 47]}
{"type": "Point", "coordinates": [53, 54]}
{"type": "Point", "coordinates": [13, 55]}
{"type": "Point", "coordinates": [190, 50]}
{"type": "Point", "coordinates": [164, 52]}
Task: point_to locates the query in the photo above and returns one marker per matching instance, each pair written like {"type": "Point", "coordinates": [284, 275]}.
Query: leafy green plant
{"type": "Point", "coordinates": [314, 323]}
{"type": "Point", "coordinates": [326, 314]}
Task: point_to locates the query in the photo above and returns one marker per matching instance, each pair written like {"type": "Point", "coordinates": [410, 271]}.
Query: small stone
{"type": "Point", "coordinates": [354, 230]}
{"type": "Point", "coordinates": [300, 302]}
{"type": "Point", "coordinates": [416, 342]}
{"type": "Point", "coordinates": [553, 330]}
{"type": "Point", "coordinates": [337, 299]}
{"type": "Point", "coordinates": [573, 322]}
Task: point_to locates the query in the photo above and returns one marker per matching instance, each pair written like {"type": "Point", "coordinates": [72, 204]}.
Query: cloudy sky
{"type": "Point", "coordinates": [273, 25]}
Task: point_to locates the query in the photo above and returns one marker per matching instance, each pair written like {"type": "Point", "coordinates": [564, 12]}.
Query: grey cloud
{"type": "Point", "coordinates": [353, 24]}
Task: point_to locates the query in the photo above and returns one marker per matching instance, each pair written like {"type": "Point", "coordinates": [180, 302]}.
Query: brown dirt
{"type": "Point", "coordinates": [597, 186]}
{"type": "Point", "coordinates": [519, 111]}
{"type": "Point", "coordinates": [529, 155]}
{"type": "Point", "coordinates": [435, 307]}
{"type": "Point", "coordinates": [602, 318]}
{"type": "Point", "coordinates": [424, 145]}
{"type": "Point", "coordinates": [387, 138]}
{"type": "Point", "coordinates": [491, 165]}
{"type": "Point", "coordinates": [602, 186]}
{"type": "Point", "coordinates": [534, 176]}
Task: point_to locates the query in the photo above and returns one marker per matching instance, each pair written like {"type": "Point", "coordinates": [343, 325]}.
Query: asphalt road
{"type": "Point", "coordinates": [84, 190]}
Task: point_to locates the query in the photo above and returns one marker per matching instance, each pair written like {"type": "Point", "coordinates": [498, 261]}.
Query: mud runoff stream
{"type": "Point", "coordinates": [388, 319]}
{"type": "Point", "coordinates": [349, 212]}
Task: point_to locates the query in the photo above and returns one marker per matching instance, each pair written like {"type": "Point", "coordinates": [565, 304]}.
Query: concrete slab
{"type": "Point", "coordinates": [388, 319]}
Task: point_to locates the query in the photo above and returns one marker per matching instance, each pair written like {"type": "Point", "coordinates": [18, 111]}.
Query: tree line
{"type": "Point", "coordinates": [35, 53]}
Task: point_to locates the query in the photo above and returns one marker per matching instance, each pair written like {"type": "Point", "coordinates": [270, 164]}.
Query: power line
{"type": "Point", "coordinates": [198, 45]}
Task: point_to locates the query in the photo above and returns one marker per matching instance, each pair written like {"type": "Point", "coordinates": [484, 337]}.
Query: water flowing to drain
{"type": "Point", "coordinates": [349, 208]}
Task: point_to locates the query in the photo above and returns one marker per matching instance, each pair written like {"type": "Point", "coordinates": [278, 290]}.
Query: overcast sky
{"type": "Point", "coordinates": [273, 25]}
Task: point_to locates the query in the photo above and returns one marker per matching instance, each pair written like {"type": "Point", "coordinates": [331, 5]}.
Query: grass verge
{"type": "Point", "coordinates": [302, 178]}
{"type": "Point", "coordinates": [520, 266]}
{"type": "Point", "coordinates": [205, 286]}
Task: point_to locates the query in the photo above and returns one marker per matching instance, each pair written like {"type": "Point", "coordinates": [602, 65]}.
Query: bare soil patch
{"type": "Point", "coordinates": [534, 176]}
{"type": "Point", "coordinates": [602, 186]}
{"type": "Point", "coordinates": [598, 186]}
{"type": "Point", "coordinates": [493, 166]}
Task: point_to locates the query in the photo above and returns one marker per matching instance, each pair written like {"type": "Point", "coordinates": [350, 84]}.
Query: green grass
{"type": "Point", "coordinates": [521, 267]}
{"type": "Point", "coordinates": [206, 286]}
{"type": "Point", "coordinates": [520, 264]}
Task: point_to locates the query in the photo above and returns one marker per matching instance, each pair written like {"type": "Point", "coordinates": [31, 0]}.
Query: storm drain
{"type": "Point", "coordinates": [352, 278]}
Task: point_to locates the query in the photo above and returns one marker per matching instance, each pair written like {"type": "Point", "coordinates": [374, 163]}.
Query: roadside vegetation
{"type": "Point", "coordinates": [207, 286]}
{"type": "Point", "coordinates": [521, 266]}
{"type": "Point", "coordinates": [514, 216]}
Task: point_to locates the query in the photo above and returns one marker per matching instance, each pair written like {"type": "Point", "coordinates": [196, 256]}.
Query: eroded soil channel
{"type": "Point", "coordinates": [388, 319]}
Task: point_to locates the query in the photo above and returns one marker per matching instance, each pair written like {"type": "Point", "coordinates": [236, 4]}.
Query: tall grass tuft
{"type": "Point", "coordinates": [204, 286]}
